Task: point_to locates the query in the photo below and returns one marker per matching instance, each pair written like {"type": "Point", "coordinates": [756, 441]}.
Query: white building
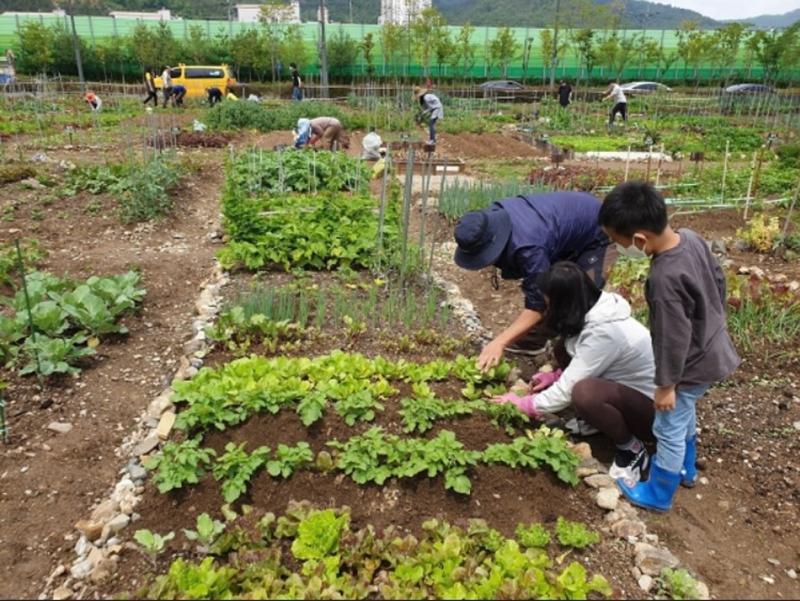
{"type": "Point", "coordinates": [327, 15]}
{"type": "Point", "coordinates": [160, 15]}
{"type": "Point", "coordinates": [287, 13]}
{"type": "Point", "coordinates": [59, 12]}
{"type": "Point", "coordinates": [401, 12]}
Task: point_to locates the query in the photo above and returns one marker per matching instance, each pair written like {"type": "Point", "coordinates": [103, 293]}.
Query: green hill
{"type": "Point", "coordinates": [516, 13]}
{"type": "Point", "coordinates": [770, 21]}
{"type": "Point", "coordinates": [541, 13]}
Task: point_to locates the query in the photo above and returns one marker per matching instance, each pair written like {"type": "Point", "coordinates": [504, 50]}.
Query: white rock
{"type": "Point", "coordinates": [599, 481]}
{"type": "Point", "coordinates": [703, 593]}
{"type": "Point", "coordinates": [81, 569]}
{"type": "Point", "coordinates": [60, 427]}
{"type": "Point", "coordinates": [608, 498]}
{"type": "Point", "coordinates": [646, 583]}
{"type": "Point", "coordinates": [791, 574]}
{"type": "Point", "coordinates": [115, 525]}
{"type": "Point", "coordinates": [82, 547]}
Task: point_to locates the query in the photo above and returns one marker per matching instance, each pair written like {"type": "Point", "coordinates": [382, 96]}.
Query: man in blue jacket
{"type": "Point", "coordinates": [521, 237]}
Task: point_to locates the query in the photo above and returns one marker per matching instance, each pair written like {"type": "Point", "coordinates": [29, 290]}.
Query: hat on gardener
{"type": "Point", "coordinates": [481, 237]}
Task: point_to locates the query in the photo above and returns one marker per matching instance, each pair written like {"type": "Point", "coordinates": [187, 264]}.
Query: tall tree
{"type": "Point", "coordinates": [445, 49]}
{"type": "Point", "coordinates": [546, 50]}
{"type": "Point", "coordinates": [392, 38]}
{"type": "Point", "coordinates": [465, 49]}
{"type": "Point", "coordinates": [342, 51]}
{"type": "Point", "coordinates": [503, 48]}
{"type": "Point", "coordinates": [36, 55]}
{"type": "Point", "coordinates": [367, 48]}
{"type": "Point", "coordinates": [425, 31]}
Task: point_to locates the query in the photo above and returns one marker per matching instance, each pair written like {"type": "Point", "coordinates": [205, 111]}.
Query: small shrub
{"type": "Point", "coordinates": [145, 193]}
{"type": "Point", "coordinates": [535, 535]}
{"type": "Point", "coordinates": [677, 584]}
{"type": "Point", "coordinates": [575, 534]}
{"type": "Point", "coordinates": [761, 233]}
{"type": "Point", "coordinates": [15, 173]}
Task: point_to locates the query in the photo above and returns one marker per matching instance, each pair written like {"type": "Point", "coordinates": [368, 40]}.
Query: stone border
{"type": "Point", "coordinates": [98, 544]}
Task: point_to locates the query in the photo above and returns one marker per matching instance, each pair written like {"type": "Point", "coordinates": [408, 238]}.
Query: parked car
{"type": "Point", "coordinates": [746, 96]}
{"type": "Point", "coordinates": [197, 78]}
{"type": "Point", "coordinates": [502, 84]}
{"type": "Point", "coordinates": [749, 88]}
{"type": "Point", "coordinates": [644, 87]}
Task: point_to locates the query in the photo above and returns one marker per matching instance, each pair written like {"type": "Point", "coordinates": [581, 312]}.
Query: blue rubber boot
{"type": "Point", "coordinates": [656, 493]}
{"type": "Point", "coordinates": [689, 471]}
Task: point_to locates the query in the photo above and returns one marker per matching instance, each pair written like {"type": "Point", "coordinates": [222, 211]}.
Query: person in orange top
{"type": "Point", "coordinates": [94, 101]}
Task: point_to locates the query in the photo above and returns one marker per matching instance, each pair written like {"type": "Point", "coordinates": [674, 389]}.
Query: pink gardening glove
{"type": "Point", "coordinates": [526, 404]}
{"type": "Point", "coordinates": [544, 379]}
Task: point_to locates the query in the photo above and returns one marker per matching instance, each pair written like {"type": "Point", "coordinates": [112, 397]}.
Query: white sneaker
{"type": "Point", "coordinates": [578, 427]}
{"type": "Point", "coordinates": [629, 465]}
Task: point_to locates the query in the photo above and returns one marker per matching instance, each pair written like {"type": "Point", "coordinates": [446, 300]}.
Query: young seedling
{"type": "Point", "coordinates": [208, 530]}
{"type": "Point", "coordinates": [152, 544]}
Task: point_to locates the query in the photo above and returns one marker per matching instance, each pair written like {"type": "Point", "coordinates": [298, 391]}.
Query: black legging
{"type": "Point", "coordinates": [618, 411]}
{"type": "Point", "coordinates": [151, 95]}
{"type": "Point", "coordinates": [619, 108]}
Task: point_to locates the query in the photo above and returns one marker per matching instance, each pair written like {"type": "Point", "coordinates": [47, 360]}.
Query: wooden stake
{"type": "Point", "coordinates": [627, 162]}
{"type": "Point", "coordinates": [725, 169]}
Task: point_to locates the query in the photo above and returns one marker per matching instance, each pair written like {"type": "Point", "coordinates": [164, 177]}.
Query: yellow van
{"type": "Point", "coordinates": [196, 78]}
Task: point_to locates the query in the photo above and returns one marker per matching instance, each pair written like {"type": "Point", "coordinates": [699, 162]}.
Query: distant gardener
{"type": "Point", "coordinates": [522, 237]}
{"type": "Point", "coordinates": [431, 107]}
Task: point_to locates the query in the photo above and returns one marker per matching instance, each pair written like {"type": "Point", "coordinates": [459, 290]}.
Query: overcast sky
{"type": "Point", "coordinates": [736, 9]}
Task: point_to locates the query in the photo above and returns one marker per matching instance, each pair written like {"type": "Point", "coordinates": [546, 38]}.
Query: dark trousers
{"type": "Point", "coordinates": [177, 99]}
{"type": "Point", "coordinates": [597, 262]}
{"type": "Point", "coordinates": [167, 94]}
{"type": "Point", "coordinates": [214, 96]}
{"type": "Point", "coordinates": [619, 108]}
{"type": "Point", "coordinates": [151, 95]}
{"type": "Point", "coordinates": [618, 411]}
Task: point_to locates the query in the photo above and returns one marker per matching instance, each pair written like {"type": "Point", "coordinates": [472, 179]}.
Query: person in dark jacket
{"type": "Point", "coordinates": [214, 95]}
{"type": "Point", "coordinates": [522, 237]}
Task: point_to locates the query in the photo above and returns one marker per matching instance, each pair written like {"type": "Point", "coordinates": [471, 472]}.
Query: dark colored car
{"type": "Point", "coordinates": [745, 96]}
{"type": "Point", "coordinates": [749, 88]}
{"type": "Point", "coordinates": [502, 84]}
{"type": "Point", "coordinates": [644, 87]}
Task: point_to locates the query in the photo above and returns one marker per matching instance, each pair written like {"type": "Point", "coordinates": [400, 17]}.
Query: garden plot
{"type": "Point", "coordinates": [349, 391]}
{"type": "Point", "coordinates": [725, 531]}
{"type": "Point", "coordinates": [52, 476]}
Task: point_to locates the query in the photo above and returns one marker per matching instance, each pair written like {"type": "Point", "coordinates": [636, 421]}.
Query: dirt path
{"type": "Point", "coordinates": [50, 480]}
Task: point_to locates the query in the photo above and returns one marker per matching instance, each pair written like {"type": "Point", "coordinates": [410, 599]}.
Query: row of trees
{"type": "Point", "coordinates": [264, 52]}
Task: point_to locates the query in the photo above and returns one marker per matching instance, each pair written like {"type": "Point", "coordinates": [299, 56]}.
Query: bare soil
{"type": "Point", "coordinates": [725, 531]}
{"type": "Point", "coordinates": [50, 480]}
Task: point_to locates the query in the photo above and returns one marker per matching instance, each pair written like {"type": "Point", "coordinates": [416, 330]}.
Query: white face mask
{"type": "Point", "coordinates": [632, 251]}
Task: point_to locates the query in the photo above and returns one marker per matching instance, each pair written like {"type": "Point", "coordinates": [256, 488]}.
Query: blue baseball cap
{"type": "Point", "coordinates": [481, 237]}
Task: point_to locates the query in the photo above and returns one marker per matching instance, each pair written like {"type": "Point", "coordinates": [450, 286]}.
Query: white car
{"type": "Point", "coordinates": [644, 87]}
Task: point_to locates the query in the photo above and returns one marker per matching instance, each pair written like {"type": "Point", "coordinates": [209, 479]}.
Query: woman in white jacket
{"type": "Point", "coordinates": [607, 368]}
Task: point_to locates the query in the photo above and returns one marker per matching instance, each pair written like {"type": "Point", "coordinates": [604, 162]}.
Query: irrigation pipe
{"type": "Point", "coordinates": [627, 162]}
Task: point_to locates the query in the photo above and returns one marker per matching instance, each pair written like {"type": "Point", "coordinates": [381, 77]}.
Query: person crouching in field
{"type": "Point", "coordinates": [606, 366]}
{"type": "Point", "coordinates": [93, 100]}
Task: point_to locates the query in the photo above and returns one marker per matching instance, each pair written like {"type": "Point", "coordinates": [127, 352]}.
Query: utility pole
{"type": "Point", "coordinates": [323, 57]}
{"type": "Point", "coordinates": [555, 49]}
{"type": "Point", "coordinates": [78, 54]}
